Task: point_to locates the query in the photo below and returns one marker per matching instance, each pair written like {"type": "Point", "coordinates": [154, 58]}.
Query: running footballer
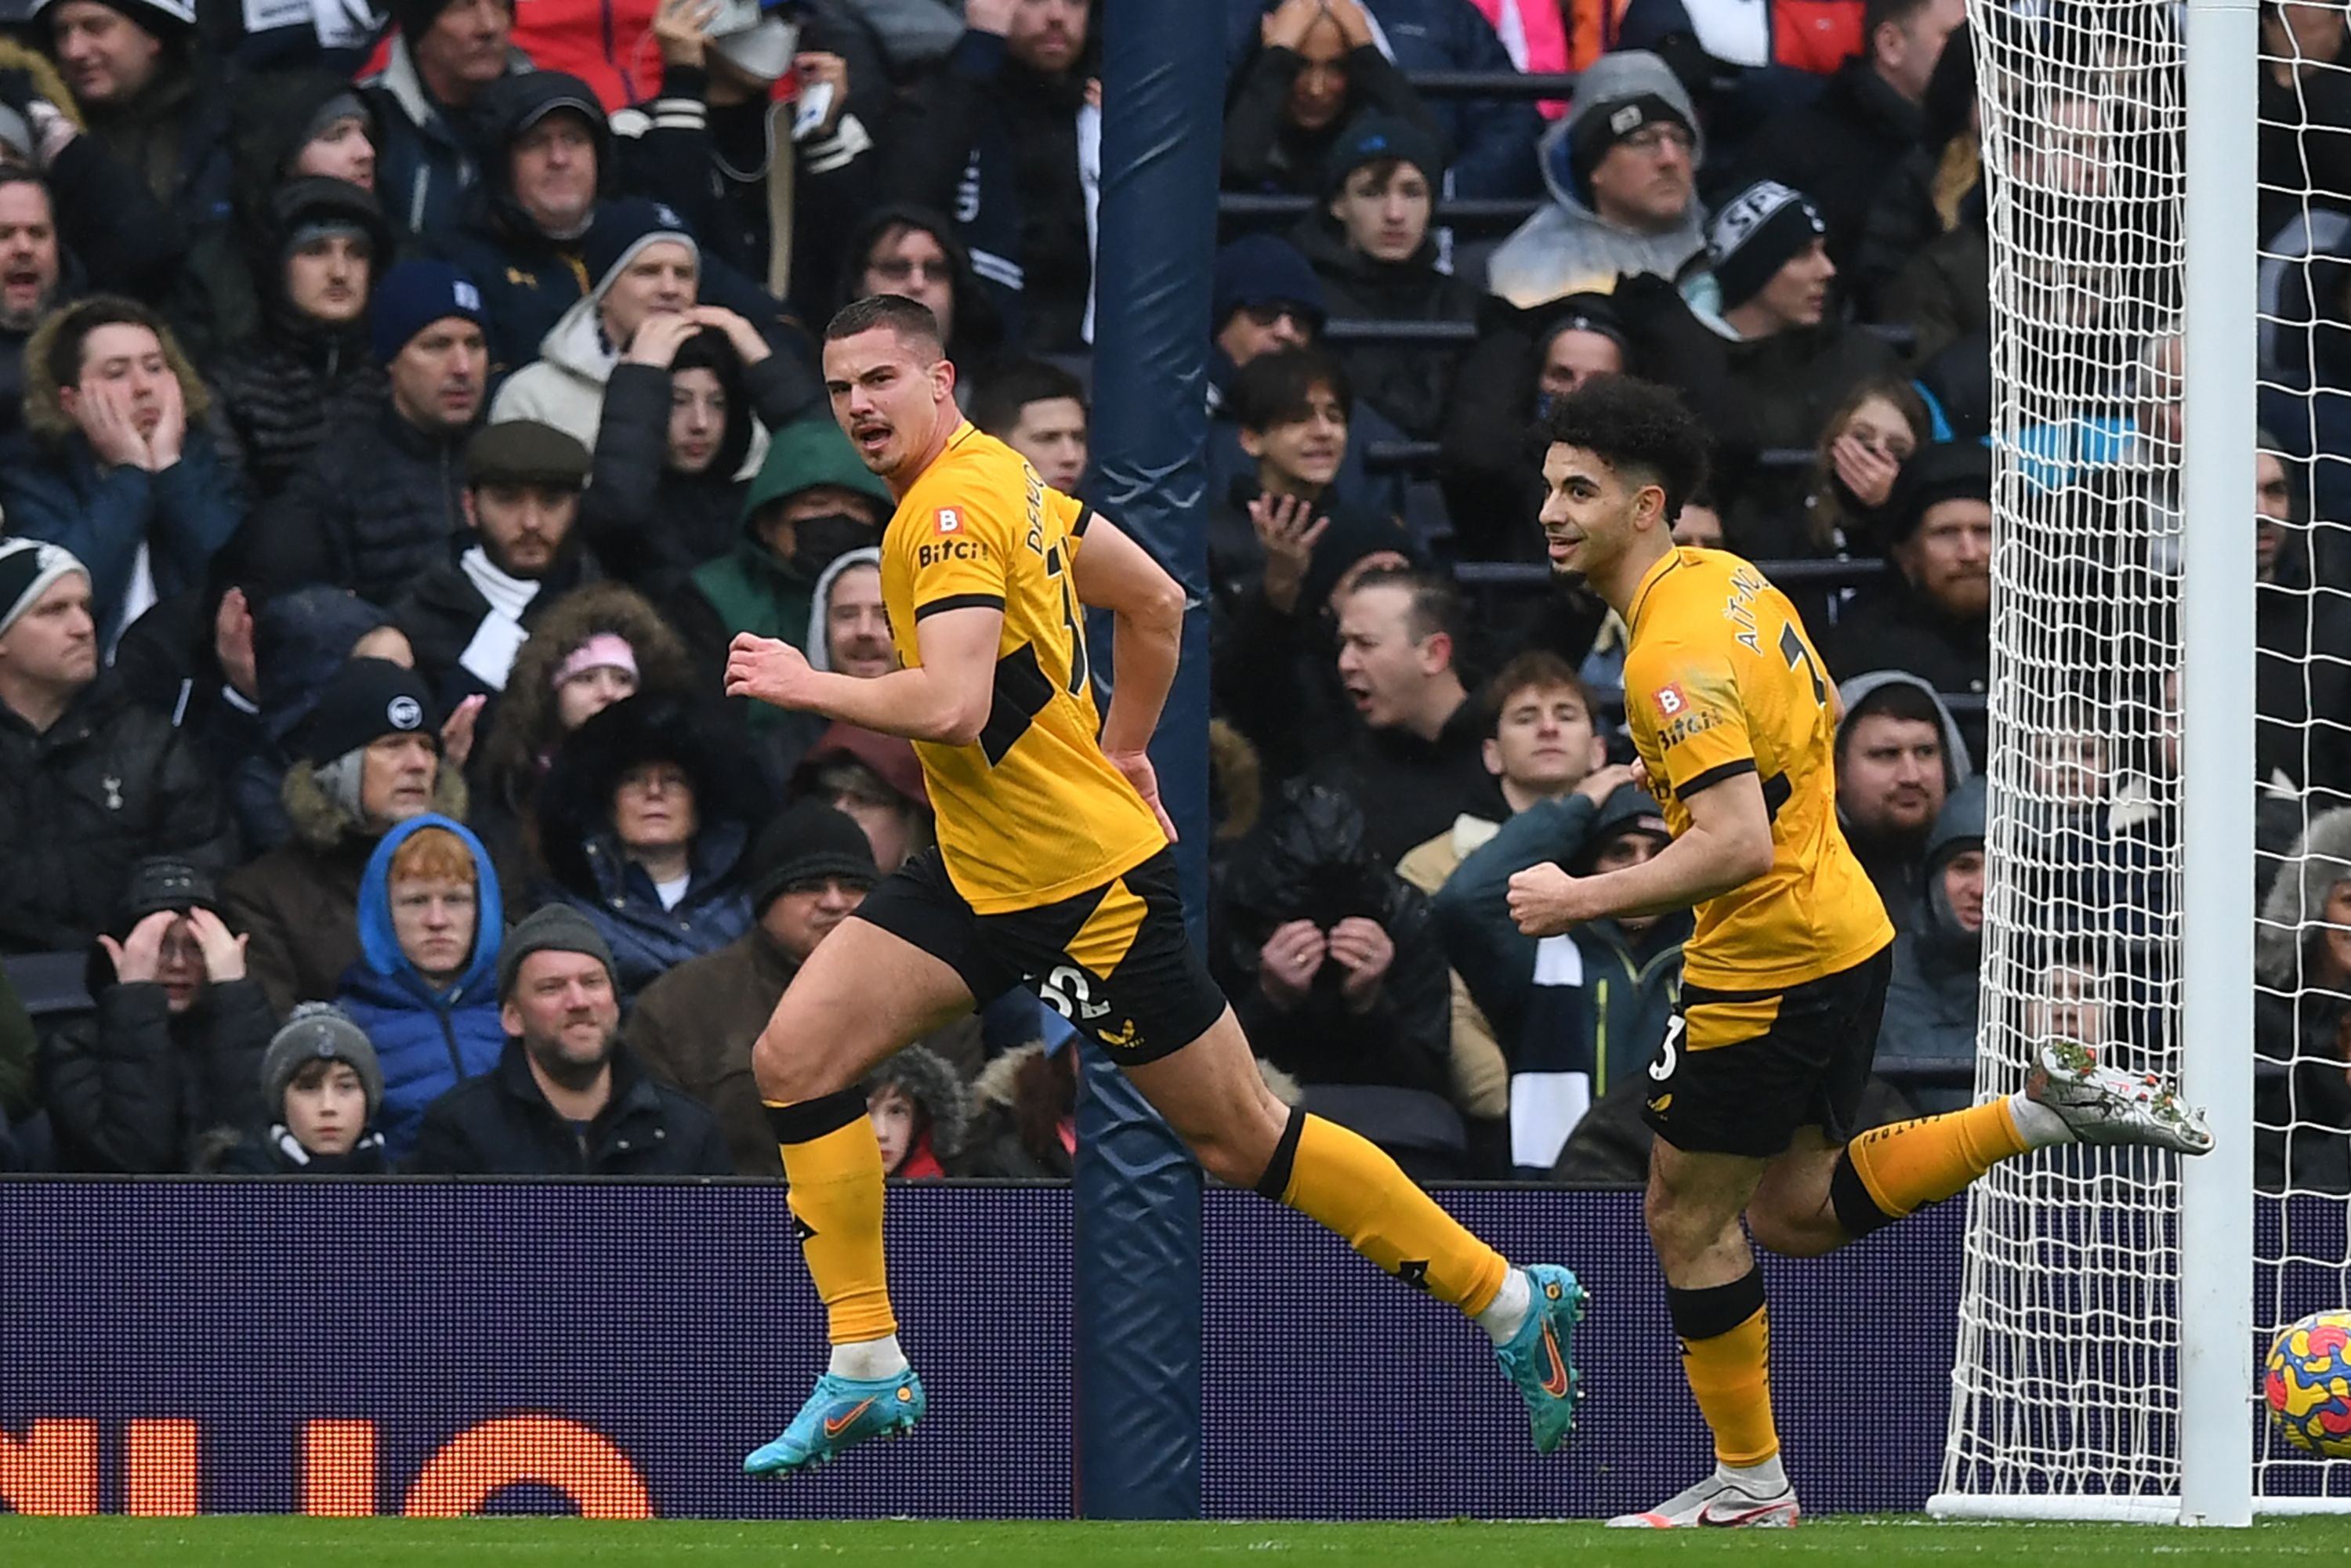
{"type": "Point", "coordinates": [1052, 870]}
{"type": "Point", "coordinates": [1755, 1086]}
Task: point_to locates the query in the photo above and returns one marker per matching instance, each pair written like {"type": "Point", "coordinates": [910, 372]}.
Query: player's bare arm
{"type": "Point", "coordinates": [945, 698]}
{"type": "Point", "coordinates": [1114, 573]}
{"type": "Point", "coordinates": [1729, 845]}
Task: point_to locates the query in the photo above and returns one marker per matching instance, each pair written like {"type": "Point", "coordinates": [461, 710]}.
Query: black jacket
{"type": "Point", "coordinates": [377, 505]}
{"type": "Point", "coordinates": [1408, 383]}
{"type": "Point", "coordinates": [1893, 627]}
{"type": "Point", "coordinates": [132, 1089]}
{"type": "Point", "coordinates": [442, 612]}
{"type": "Point", "coordinates": [1410, 789]}
{"type": "Point", "coordinates": [108, 784]}
{"type": "Point", "coordinates": [501, 1124]}
{"type": "Point", "coordinates": [1264, 152]}
{"type": "Point", "coordinates": [1840, 150]}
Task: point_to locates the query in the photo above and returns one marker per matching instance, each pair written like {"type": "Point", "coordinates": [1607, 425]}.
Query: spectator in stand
{"type": "Point", "coordinates": [812, 502]}
{"type": "Point", "coordinates": [1418, 761]}
{"type": "Point", "coordinates": [810, 869]}
{"type": "Point", "coordinates": [2301, 1013]}
{"type": "Point", "coordinates": [1293, 410]}
{"type": "Point", "coordinates": [1844, 147]}
{"type": "Point", "coordinates": [849, 630]}
{"type": "Point", "coordinates": [1927, 1041]}
{"type": "Point", "coordinates": [589, 649]}
{"type": "Point", "coordinates": [1313, 70]}
{"type": "Point", "coordinates": [426, 100]}
{"type": "Point", "coordinates": [323, 245]}
{"type": "Point", "coordinates": [2305, 109]}
{"type": "Point", "coordinates": [176, 1046]}
{"type": "Point", "coordinates": [321, 1090]}
{"type": "Point", "coordinates": [32, 280]}
{"type": "Point", "coordinates": [368, 761]}
{"type": "Point", "coordinates": [719, 146]}
{"type": "Point", "coordinates": [566, 1098]}
{"type": "Point", "coordinates": [1024, 1114]}
{"type": "Point", "coordinates": [1899, 755]}
{"type": "Point", "coordinates": [915, 251]}
{"type": "Point", "coordinates": [545, 151]}
{"type": "Point", "coordinates": [1371, 245]}
{"type": "Point", "coordinates": [1545, 742]}
{"type": "Point", "coordinates": [430, 919]}
{"type": "Point", "coordinates": [114, 233]}
{"type": "Point", "coordinates": [1581, 1014]}
{"type": "Point", "coordinates": [1266, 298]}
{"type": "Point", "coordinates": [1622, 172]}
{"type": "Point", "coordinates": [382, 496]}
{"type": "Point", "coordinates": [140, 78]}
{"type": "Point", "coordinates": [2301, 681]}
{"type": "Point", "coordinates": [1928, 195]}
{"type": "Point", "coordinates": [294, 643]}
{"type": "Point", "coordinates": [642, 821]}
{"type": "Point", "coordinates": [1492, 140]}
{"type": "Point", "coordinates": [1335, 971]}
{"type": "Point", "coordinates": [919, 1109]}
{"type": "Point", "coordinates": [90, 783]}
{"type": "Point", "coordinates": [1039, 409]}
{"type": "Point", "coordinates": [1490, 468]}
{"type": "Point", "coordinates": [115, 463]}
{"type": "Point", "coordinates": [1880, 426]}
{"type": "Point", "coordinates": [468, 618]}
{"type": "Point", "coordinates": [1933, 616]}
{"type": "Point", "coordinates": [996, 136]}
{"type": "Point", "coordinates": [687, 409]}
{"type": "Point", "coordinates": [874, 780]}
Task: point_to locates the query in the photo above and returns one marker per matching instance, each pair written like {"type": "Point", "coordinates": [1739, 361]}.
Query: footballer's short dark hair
{"type": "Point", "coordinates": [1639, 429]}
{"type": "Point", "coordinates": [909, 319]}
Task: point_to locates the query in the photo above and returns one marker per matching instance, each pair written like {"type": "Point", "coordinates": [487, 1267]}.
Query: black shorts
{"type": "Point", "coordinates": [1738, 1072]}
{"type": "Point", "coordinates": [1115, 960]}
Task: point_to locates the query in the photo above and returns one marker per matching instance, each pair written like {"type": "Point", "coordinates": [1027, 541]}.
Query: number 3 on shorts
{"type": "Point", "coordinates": [1663, 1068]}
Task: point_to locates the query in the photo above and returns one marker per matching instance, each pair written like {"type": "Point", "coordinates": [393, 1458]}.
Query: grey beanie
{"type": "Point", "coordinates": [318, 1032]}
{"type": "Point", "coordinates": [557, 928]}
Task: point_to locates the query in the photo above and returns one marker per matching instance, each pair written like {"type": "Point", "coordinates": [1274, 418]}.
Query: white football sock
{"type": "Point", "coordinates": [868, 1360]}
{"type": "Point", "coordinates": [2036, 1124]}
{"type": "Point", "coordinates": [1757, 1480]}
{"type": "Point", "coordinates": [1507, 1312]}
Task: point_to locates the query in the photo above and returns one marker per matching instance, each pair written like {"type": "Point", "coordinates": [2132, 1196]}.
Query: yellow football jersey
{"type": "Point", "coordinates": [1719, 680]}
{"type": "Point", "coordinates": [1032, 813]}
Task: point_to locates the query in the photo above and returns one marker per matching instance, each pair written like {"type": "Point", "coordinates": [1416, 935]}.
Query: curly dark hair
{"type": "Point", "coordinates": [1639, 429]}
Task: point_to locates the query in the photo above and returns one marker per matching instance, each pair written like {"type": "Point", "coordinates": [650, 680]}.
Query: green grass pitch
{"type": "Point", "coordinates": [1886, 1543]}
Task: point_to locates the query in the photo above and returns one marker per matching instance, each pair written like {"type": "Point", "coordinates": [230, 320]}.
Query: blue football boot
{"type": "Point", "coordinates": [1540, 1357]}
{"type": "Point", "coordinates": [841, 1413]}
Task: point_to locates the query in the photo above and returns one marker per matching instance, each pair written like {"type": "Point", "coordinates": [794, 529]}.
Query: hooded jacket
{"type": "Point", "coordinates": [429, 157]}
{"type": "Point", "coordinates": [2302, 1027]}
{"type": "Point", "coordinates": [926, 1079]}
{"type": "Point", "coordinates": [276, 385]}
{"type": "Point", "coordinates": [1026, 1077]}
{"type": "Point", "coordinates": [1927, 1041]}
{"type": "Point", "coordinates": [1896, 870]}
{"type": "Point", "coordinates": [299, 904]}
{"type": "Point", "coordinates": [1569, 248]}
{"type": "Point", "coordinates": [427, 1039]}
{"type": "Point", "coordinates": [132, 1089]}
{"type": "Point", "coordinates": [586, 868]}
{"type": "Point", "coordinates": [1408, 383]}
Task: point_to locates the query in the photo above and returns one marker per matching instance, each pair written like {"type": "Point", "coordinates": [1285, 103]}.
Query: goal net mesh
{"type": "Point", "coordinates": [2066, 1378]}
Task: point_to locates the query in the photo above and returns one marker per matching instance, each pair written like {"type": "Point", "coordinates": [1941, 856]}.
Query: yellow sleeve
{"type": "Point", "coordinates": [960, 553]}
{"type": "Point", "coordinates": [1072, 514]}
{"type": "Point", "coordinates": [1686, 702]}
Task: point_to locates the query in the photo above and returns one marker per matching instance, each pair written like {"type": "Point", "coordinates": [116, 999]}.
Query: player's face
{"type": "Point", "coordinates": [1544, 741]}
{"type": "Point", "coordinates": [1890, 779]}
{"type": "Point", "coordinates": [1963, 886]}
{"type": "Point", "coordinates": [1590, 512]}
{"type": "Point", "coordinates": [887, 397]}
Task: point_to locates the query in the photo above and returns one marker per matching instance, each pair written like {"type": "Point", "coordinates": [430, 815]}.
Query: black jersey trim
{"type": "Point", "coordinates": [1085, 517]}
{"type": "Point", "coordinates": [959, 602]}
{"type": "Point", "coordinates": [1714, 776]}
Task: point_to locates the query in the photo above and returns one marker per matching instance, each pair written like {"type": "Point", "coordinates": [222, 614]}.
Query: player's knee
{"type": "Point", "coordinates": [1682, 1228]}
{"type": "Point", "coordinates": [787, 1072]}
{"type": "Point", "coordinates": [1777, 1230]}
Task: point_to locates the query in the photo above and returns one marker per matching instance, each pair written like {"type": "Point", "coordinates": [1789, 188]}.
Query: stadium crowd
{"type": "Point", "coordinates": [400, 414]}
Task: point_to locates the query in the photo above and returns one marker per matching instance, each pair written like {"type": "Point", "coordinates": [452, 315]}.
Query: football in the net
{"type": "Point", "coordinates": [2309, 1383]}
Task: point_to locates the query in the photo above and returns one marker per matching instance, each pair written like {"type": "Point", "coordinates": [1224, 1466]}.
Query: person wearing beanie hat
{"type": "Point", "coordinates": [321, 1089]}
{"type": "Point", "coordinates": [1765, 248]}
{"type": "Point", "coordinates": [567, 1098]}
{"type": "Point", "coordinates": [443, 54]}
{"type": "Point", "coordinates": [876, 781]}
{"type": "Point", "coordinates": [173, 1047]}
{"type": "Point", "coordinates": [466, 619]}
{"type": "Point", "coordinates": [809, 869]}
{"type": "Point", "coordinates": [1313, 70]}
{"type": "Point", "coordinates": [321, 242]}
{"type": "Point", "coordinates": [1371, 248]}
{"type": "Point", "coordinates": [375, 506]}
{"type": "Point", "coordinates": [1622, 171]}
{"type": "Point", "coordinates": [365, 760]}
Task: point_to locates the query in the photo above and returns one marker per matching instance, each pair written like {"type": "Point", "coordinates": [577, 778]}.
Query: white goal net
{"type": "Point", "coordinates": [2067, 1387]}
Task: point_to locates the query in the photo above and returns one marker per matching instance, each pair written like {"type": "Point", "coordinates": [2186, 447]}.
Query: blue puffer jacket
{"type": "Point", "coordinates": [426, 1041]}
{"type": "Point", "coordinates": [648, 941]}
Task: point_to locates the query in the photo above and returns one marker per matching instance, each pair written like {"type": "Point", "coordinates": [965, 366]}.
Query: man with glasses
{"type": "Point", "coordinates": [1622, 168]}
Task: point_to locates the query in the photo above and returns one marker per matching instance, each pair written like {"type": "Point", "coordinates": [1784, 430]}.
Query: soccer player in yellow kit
{"type": "Point", "coordinates": [1053, 870]}
{"type": "Point", "coordinates": [1755, 1086]}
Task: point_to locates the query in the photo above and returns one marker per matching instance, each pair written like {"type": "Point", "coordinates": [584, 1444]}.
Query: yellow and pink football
{"type": "Point", "coordinates": [2309, 1383]}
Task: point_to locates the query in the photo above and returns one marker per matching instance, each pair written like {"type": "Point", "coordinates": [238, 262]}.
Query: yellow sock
{"type": "Point", "coordinates": [1904, 1168]}
{"type": "Point", "coordinates": [1330, 1174]}
{"type": "Point", "coordinates": [1731, 1375]}
{"type": "Point", "coordinates": [834, 1166]}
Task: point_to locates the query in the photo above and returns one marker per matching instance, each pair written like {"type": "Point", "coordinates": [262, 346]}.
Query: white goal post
{"type": "Point", "coordinates": [2112, 1300]}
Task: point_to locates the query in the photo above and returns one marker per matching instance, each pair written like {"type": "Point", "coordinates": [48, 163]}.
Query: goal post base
{"type": "Point", "coordinates": [2055, 1507]}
